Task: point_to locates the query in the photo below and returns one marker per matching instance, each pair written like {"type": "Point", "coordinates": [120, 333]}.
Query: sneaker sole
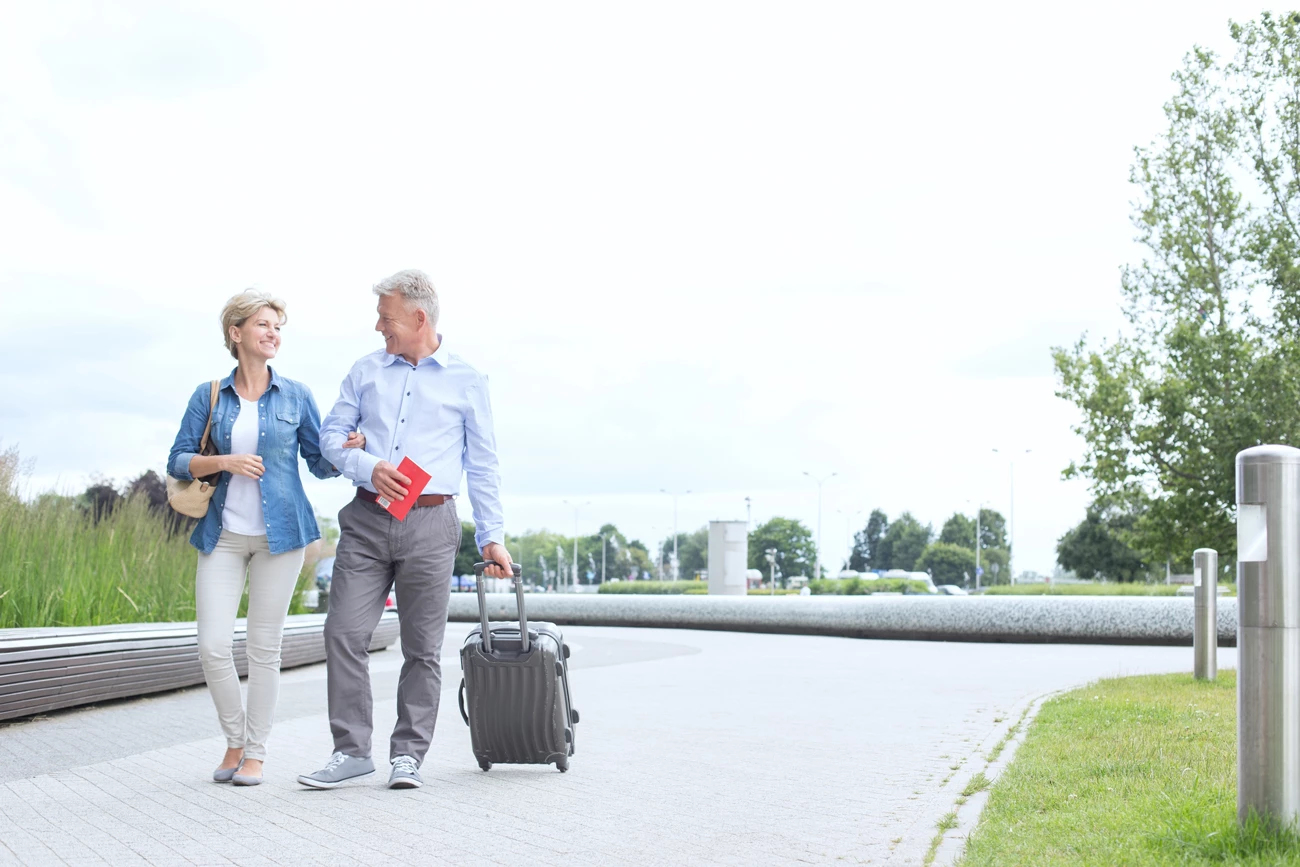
{"type": "Point", "coordinates": [322, 784]}
{"type": "Point", "coordinates": [405, 784]}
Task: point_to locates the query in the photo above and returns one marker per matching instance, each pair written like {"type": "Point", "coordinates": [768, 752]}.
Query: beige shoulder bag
{"type": "Point", "coordinates": [191, 497]}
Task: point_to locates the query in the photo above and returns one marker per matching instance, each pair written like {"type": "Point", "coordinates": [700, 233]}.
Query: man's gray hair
{"type": "Point", "coordinates": [416, 287]}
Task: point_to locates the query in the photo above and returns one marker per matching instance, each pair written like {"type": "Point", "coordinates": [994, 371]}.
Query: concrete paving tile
{"type": "Point", "coordinates": [695, 748]}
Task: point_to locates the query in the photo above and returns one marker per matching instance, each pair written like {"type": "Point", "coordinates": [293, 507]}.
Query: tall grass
{"type": "Point", "coordinates": [59, 566]}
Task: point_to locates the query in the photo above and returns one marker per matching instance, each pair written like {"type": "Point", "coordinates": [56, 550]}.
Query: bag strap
{"type": "Point", "coordinates": [212, 407]}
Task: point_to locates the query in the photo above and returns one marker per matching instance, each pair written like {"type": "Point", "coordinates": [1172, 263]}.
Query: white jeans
{"type": "Point", "coordinates": [219, 585]}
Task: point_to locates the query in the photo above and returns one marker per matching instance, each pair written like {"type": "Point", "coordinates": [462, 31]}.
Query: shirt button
{"type": "Point", "coordinates": [403, 421]}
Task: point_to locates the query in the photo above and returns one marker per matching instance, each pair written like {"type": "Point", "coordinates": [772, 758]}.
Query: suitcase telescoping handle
{"type": "Point", "coordinates": [482, 605]}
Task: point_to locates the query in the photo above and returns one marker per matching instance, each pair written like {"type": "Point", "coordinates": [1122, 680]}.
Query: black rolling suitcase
{"type": "Point", "coordinates": [514, 695]}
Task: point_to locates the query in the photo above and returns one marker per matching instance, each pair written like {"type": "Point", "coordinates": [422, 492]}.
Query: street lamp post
{"type": "Point", "coordinates": [674, 496]}
{"type": "Point", "coordinates": [817, 560]}
{"type": "Point", "coordinates": [576, 507]}
{"type": "Point", "coordinates": [1011, 518]}
{"type": "Point", "coordinates": [848, 539]}
{"type": "Point", "coordinates": [771, 562]}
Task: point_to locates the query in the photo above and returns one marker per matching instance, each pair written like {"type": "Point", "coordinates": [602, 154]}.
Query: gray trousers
{"type": "Point", "coordinates": [377, 552]}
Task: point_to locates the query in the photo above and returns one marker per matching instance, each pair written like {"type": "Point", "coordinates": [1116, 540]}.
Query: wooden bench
{"type": "Point", "coordinates": [47, 669]}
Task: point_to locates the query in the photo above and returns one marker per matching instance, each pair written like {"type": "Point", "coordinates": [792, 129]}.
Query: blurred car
{"type": "Point", "coordinates": [951, 590]}
{"type": "Point", "coordinates": [324, 574]}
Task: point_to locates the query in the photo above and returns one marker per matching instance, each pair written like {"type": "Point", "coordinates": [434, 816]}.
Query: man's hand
{"type": "Point", "coordinates": [356, 440]}
{"type": "Point", "coordinates": [502, 566]}
{"type": "Point", "coordinates": [389, 482]}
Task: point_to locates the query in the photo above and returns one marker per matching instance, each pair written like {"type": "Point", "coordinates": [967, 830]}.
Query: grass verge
{"type": "Point", "coordinates": [1138, 771]}
{"type": "Point", "coordinates": [946, 824]}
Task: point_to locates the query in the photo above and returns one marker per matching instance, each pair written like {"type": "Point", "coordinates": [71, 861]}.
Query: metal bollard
{"type": "Point", "coordinates": [1268, 634]}
{"type": "Point", "coordinates": [1205, 632]}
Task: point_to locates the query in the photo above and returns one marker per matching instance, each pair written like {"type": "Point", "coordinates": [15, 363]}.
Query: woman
{"type": "Point", "coordinates": [257, 524]}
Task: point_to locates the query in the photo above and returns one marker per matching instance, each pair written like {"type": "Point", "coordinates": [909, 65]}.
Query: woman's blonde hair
{"type": "Point", "coordinates": [244, 305]}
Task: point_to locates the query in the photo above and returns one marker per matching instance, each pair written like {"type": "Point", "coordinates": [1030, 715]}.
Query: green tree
{"type": "Point", "coordinates": [866, 542]}
{"type": "Point", "coordinates": [993, 529]}
{"type": "Point", "coordinates": [692, 552]}
{"type": "Point", "coordinates": [468, 554]}
{"type": "Point", "coordinates": [534, 548]}
{"type": "Point", "coordinates": [1200, 373]}
{"type": "Point", "coordinates": [1095, 548]}
{"type": "Point", "coordinates": [949, 563]}
{"type": "Point", "coordinates": [959, 530]}
{"type": "Point", "coordinates": [638, 560]}
{"type": "Point", "coordinates": [795, 550]}
{"type": "Point", "coordinates": [994, 563]}
{"type": "Point", "coordinates": [903, 543]}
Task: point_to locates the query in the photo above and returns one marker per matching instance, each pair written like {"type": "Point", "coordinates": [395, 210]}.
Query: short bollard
{"type": "Point", "coordinates": [1205, 632]}
{"type": "Point", "coordinates": [1268, 634]}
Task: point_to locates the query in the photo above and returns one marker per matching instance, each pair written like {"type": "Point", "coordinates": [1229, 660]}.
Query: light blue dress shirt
{"type": "Point", "coordinates": [436, 413]}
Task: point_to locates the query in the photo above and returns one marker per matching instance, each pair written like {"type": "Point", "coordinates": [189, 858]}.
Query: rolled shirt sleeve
{"type": "Point", "coordinates": [482, 475]}
{"type": "Point", "coordinates": [190, 436]}
{"type": "Point", "coordinates": [355, 464]}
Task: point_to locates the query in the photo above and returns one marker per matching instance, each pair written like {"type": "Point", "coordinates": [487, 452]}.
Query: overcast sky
{"type": "Point", "coordinates": [694, 245]}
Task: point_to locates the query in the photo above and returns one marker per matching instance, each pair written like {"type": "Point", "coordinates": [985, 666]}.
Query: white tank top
{"type": "Point", "coordinates": [243, 510]}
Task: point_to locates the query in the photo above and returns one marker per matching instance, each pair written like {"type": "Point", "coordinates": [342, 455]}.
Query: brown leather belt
{"type": "Point", "coordinates": [422, 500]}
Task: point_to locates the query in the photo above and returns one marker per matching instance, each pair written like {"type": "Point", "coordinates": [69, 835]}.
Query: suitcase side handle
{"type": "Point", "coordinates": [482, 605]}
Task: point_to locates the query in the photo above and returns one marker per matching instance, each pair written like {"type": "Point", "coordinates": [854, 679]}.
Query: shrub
{"type": "Point", "coordinates": [865, 586]}
{"type": "Point", "coordinates": [654, 587]}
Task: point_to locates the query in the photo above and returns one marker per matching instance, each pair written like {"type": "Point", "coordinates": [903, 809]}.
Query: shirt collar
{"type": "Point", "coordinates": [439, 355]}
{"type": "Point", "coordinates": [229, 381]}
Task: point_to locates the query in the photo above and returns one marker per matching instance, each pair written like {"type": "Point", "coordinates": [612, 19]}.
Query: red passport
{"type": "Point", "coordinates": [419, 478]}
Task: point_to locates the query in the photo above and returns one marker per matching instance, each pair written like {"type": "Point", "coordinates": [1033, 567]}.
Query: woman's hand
{"type": "Point", "coordinates": [245, 465]}
{"type": "Point", "coordinates": [355, 440]}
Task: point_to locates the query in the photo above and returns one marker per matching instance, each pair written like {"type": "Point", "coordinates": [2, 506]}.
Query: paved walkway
{"type": "Point", "coordinates": [694, 748]}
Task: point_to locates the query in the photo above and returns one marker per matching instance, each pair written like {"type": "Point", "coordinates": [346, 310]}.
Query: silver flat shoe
{"type": "Point", "coordinates": [243, 780]}
{"type": "Point", "coordinates": [225, 775]}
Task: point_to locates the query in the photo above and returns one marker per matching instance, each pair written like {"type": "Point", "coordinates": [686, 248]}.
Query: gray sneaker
{"type": "Point", "coordinates": [405, 775]}
{"type": "Point", "coordinates": [340, 769]}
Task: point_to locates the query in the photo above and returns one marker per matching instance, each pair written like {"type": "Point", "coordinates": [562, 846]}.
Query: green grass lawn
{"type": "Point", "coordinates": [1109, 589]}
{"type": "Point", "coordinates": [1135, 771]}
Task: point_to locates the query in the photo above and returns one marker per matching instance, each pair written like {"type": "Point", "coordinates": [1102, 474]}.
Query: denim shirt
{"type": "Point", "coordinates": [289, 424]}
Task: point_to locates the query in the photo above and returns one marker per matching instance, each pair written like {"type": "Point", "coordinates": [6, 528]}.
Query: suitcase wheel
{"type": "Point", "coordinates": [485, 764]}
{"type": "Point", "coordinates": [562, 763]}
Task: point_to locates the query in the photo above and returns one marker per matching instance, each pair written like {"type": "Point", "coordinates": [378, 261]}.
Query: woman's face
{"type": "Point", "coordinates": [259, 336]}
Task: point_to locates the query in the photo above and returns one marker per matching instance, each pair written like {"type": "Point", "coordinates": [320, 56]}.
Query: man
{"type": "Point", "coordinates": [415, 399]}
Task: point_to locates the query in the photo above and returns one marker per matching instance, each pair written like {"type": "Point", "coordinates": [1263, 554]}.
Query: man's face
{"type": "Point", "coordinates": [399, 322]}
